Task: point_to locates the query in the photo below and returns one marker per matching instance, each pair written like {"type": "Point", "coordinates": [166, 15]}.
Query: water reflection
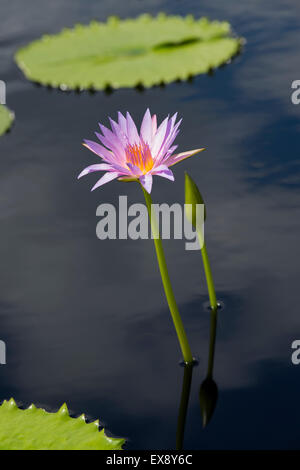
{"type": "Point", "coordinates": [208, 394]}
{"type": "Point", "coordinates": [185, 395]}
{"type": "Point", "coordinates": [59, 283]}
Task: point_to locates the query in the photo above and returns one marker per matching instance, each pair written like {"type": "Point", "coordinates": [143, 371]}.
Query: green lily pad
{"type": "Point", "coordinates": [144, 51]}
{"type": "Point", "coordinates": [36, 429]}
{"type": "Point", "coordinates": [6, 119]}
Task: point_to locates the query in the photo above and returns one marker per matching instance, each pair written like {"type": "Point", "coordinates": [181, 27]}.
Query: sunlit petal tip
{"type": "Point", "coordinates": [132, 133]}
{"type": "Point", "coordinates": [146, 127]}
{"type": "Point", "coordinates": [83, 173]}
{"type": "Point", "coordinates": [121, 117]}
{"type": "Point", "coordinates": [174, 159]}
{"type": "Point", "coordinates": [178, 124]}
{"type": "Point", "coordinates": [173, 120]}
{"type": "Point", "coordinates": [86, 145]}
{"type": "Point", "coordinates": [96, 167]}
{"type": "Point", "coordinates": [154, 124]}
{"type": "Point", "coordinates": [106, 178]}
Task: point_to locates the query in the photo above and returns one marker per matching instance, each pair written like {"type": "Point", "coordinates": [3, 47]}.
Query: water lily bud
{"type": "Point", "coordinates": [192, 198]}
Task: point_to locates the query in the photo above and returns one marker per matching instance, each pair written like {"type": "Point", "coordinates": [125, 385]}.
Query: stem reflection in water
{"type": "Point", "coordinates": [185, 395]}
{"type": "Point", "coordinates": [208, 393]}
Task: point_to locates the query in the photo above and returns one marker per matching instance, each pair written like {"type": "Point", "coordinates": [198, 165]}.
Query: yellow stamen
{"type": "Point", "coordinates": [140, 156]}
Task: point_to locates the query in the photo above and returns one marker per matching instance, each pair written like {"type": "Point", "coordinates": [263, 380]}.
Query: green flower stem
{"type": "Point", "coordinates": [208, 273]}
{"type": "Point", "coordinates": [183, 341]}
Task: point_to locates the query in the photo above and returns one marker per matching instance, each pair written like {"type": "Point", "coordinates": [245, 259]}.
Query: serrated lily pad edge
{"type": "Point", "coordinates": [64, 411]}
{"type": "Point", "coordinates": [241, 41]}
{"type": "Point", "coordinates": [11, 118]}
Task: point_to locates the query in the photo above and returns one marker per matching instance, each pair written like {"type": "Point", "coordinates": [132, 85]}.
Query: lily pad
{"type": "Point", "coordinates": [36, 429]}
{"type": "Point", "coordinates": [144, 51]}
{"type": "Point", "coordinates": [6, 119]}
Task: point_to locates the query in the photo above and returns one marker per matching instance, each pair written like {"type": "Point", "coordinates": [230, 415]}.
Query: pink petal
{"type": "Point", "coordinates": [146, 128]}
{"type": "Point", "coordinates": [170, 135]}
{"type": "Point", "coordinates": [99, 150]}
{"type": "Point", "coordinates": [132, 132]}
{"type": "Point", "coordinates": [136, 171]}
{"type": "Point", "coordinates": [118, 133]}
{"type": "Point", "coordinates": [111, 139]}
{"type": "Point", "coordinates": [173, 119]}
{"type": "Point", "coordinates": [164, 171]}
{"type": "Point", "coordinates": [146, 182]}
{"type": "Point", "coordinates": [159, 138]}
{"type": "Point", "coordinates": [154, 125]}
{"type": "Point", "coordinates": [106, 179]}
{"type": "Point", "coordinates": [164, 151]}
{"type": "Point", "coordinates": [118, 153]}
{"type": "Point", "coordinates": [165, 156]}
{"type": "Point", "coordinates": [122, 122]}
{"type": "Point", "coordinates": [181, 156]}
{"type": "Point", "coordinates": [168, 140]}
{"type": "Point", "coordinates": [97, 167]}
{"type": "Point", "coordinates": [171, 150]}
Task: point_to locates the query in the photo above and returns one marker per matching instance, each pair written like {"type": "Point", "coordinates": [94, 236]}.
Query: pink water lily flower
{"type": "Point", "coordinates": [130, 155]}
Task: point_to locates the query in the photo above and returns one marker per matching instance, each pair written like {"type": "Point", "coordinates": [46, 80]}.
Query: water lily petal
{"type": "Point", "coordinates": [134, 169]}
{"type": "Point", "coordinates": [165, 157]}
{"type": "Point", "coordinates": [164, 171]}
{"type": "Point", "coordinates": [118, 133]}
{"type": "Point", "coordinates": [171, 151]}
{"type": "Point", "coordinates": [166, 147]}
{"type": "Point", "coordinates": [181, 156]}
{"type": "Point", "coordinates": [118, 154]}
{"type": "Point", "coordinates": [112, 140]}
{"type": "Point", "coordinates": [159, 138]}
{"type": "Point", "coordinates": [132, 132]}
{"type": "Point", "coordinates": [122, 122]}
{"type": "Point", "coordinates": [146, 128]}
{"type": "Point", "coordinates": [109, 176]}
{"type": "Point", "coordinates": [154, 125]}
{"type": "Point", "coordinates": [170, 136]}
{"type": "Point", "coordinates": [146, 181]}
{"type": "Point", "coordinates": [99, 150]}
{"type": "Point", "coordinates": [96, 167]}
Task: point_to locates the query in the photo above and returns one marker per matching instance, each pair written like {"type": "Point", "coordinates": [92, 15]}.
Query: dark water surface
{"type": "Point", "coordinates": [85, 321]}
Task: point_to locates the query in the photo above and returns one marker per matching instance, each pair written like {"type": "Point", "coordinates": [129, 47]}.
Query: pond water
{"type": "Point", "coordinates": [85, 321]}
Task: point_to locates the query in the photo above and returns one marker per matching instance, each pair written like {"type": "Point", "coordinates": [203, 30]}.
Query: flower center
{"type": "Point", "coordinates": [140, 156]}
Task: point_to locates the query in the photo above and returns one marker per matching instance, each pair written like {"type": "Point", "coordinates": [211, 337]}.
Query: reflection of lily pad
{"type": "Point", "coordinates": [35, 429]}
{"type": "Point", "coordinates": [125, 53]}
{"type": "Point", "coordinates": [6, 119]}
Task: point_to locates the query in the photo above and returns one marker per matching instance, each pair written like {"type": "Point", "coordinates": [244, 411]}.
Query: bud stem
{"type": "Point", "coordinates": [182, 338]}
{"type": "Point", "coordinates": [208, 273]}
